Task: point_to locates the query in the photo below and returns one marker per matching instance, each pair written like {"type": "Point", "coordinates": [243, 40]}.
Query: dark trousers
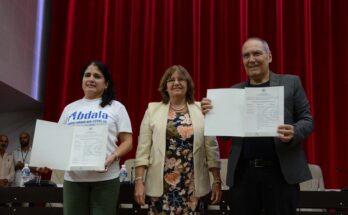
{"type": "Point", "coordinates": [262, 190]}
{"type": "Point", "coordinates": [91, 198]}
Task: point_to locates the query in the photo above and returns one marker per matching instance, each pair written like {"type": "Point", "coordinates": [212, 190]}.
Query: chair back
{"type": "Point", "coordinates": [317, 181]}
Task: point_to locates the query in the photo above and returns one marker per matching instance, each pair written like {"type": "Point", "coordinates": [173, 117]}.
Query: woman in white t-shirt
{"type": "Point", "coordinates": [95, 192]}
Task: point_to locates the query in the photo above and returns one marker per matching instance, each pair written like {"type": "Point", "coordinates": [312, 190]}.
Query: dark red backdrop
{"type": "Point", "coordinates": [139, 39]}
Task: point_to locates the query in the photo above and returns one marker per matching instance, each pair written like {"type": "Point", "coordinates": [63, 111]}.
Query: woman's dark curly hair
{"type": "Point", "coordinates": [168, 73]}
{"type": "Point", "coordinates": [109, 92]}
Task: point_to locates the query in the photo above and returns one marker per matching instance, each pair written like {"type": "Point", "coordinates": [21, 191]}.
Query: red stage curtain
{"type": "Point", "coordinates": [139, 39]}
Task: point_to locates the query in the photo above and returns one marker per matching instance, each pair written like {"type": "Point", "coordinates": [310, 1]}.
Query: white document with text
{"type": "Point", "coordinates": [249, 112]}
{"type": "Point", "coordinates": [64, 147]}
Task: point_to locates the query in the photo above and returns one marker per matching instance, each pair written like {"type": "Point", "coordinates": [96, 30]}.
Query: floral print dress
{"type": "Point", "coordinates": [178, 197]}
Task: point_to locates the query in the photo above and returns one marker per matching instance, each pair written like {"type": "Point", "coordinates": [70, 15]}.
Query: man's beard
{"type": "Point", "coordinates": [24, 144]}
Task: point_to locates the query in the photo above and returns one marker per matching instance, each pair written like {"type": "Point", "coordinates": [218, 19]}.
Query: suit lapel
{"type": "Point", "coordinates": [162, 116]}
{"type": "Point", "coordinates": [274, 82]}
{"type": "Point", "coordinates": [274, 79]}
{"type": "Point", "coordinates": [195, 118]}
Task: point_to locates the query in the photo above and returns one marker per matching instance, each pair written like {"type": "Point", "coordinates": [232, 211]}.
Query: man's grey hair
{"type": "Point", "coordinates": [264, 43]}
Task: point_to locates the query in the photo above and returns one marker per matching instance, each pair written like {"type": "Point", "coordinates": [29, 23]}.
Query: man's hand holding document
{"type": "Point", "coordinates": [64, 147]}
{"type": "Point", "coordinates": [249, 112]}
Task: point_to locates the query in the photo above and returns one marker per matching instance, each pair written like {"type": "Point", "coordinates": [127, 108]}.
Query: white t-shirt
{"type": "Point", "coordinates": [89, 112]}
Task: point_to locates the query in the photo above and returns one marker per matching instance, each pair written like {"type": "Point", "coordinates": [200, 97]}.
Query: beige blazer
{"type": "Point", "coordinates": [152, 146]}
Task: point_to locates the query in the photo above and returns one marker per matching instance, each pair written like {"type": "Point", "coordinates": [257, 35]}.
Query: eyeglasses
{"type": "Point", "coordinates": [172, 80]}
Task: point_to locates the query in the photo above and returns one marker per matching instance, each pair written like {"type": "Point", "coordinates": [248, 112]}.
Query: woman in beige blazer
{"type": "Point", "coordinates": [174, 152]}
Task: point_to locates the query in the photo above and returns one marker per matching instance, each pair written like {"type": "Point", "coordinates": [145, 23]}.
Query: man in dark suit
{"type": "Point", "coordinates": [264, 173]}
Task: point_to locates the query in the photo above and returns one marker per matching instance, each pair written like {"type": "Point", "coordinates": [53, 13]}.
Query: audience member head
{"type": "Point", "coordinates": [24, 139]}
{"type": "Point", "coordinates": [3, 142]}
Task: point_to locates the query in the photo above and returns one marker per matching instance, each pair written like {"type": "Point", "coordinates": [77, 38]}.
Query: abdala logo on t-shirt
{"type": "Point", "coordinates": [87, 117]}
